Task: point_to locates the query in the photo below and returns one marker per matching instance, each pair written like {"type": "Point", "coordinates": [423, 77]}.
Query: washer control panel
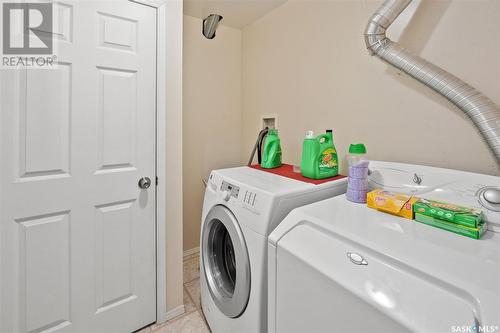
{"type": "Point", "coordinates": [231, 190]}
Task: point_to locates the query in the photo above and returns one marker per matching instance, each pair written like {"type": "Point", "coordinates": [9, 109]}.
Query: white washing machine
{"type": "Point", "coordinates": [337, 266]}
{"type": "Point", "coordinates": [241, 208]}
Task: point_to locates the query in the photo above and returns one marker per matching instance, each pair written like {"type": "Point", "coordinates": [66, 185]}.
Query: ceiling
{"type": "Point", "coordinates": [236, 13]}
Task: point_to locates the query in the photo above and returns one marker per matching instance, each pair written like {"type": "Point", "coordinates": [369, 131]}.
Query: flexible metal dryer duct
{"type": "Point", "coordinates": [480, 109]}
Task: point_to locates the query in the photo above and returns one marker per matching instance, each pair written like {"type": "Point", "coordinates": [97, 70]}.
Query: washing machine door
{"type": "Point", "coordinates": [225, 261]}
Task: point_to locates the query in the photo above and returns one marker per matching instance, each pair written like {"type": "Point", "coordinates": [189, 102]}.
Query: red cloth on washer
{"type": "Point", "coordinates": [286, 170]}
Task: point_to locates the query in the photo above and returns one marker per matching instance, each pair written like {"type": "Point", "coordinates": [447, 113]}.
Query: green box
{"type": "Point", "coordinates": [465, 216]}
{"type": "Point", "coordinates": [475, 233]}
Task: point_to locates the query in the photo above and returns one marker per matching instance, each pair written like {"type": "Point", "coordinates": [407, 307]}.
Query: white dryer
{"type": "Point", "coordinates": [241, 208]}
{"type": "Point", "coordinates": [337, 266]}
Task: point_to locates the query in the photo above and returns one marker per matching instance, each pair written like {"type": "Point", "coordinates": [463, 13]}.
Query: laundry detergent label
{"type": "Point", "coordinates": [328, 159]}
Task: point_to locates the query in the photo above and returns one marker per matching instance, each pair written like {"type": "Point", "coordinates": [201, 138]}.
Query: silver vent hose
{"type": "Point", "coordinates": [483, 112]}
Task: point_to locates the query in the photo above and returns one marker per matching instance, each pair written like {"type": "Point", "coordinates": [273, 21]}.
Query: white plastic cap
{"type": "Point", "coordinates": [309, 135]}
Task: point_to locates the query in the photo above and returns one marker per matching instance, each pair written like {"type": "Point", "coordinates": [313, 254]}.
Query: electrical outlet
{"type": "Point", "coordinates": [270, 121]}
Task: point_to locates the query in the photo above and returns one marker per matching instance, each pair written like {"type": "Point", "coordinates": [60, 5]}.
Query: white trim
{"type": "Point", "coordinates": [161, 192]}
{"type": "Point", "coordinates": [190, 252]}
{"type": "Point", "coordinates": [172, 182]}
{"type": "Point", "coordinates": [176, 312]}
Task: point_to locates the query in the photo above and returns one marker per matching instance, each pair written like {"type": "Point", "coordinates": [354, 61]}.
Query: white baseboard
{"type": "Point", "coordinates": [190, 252]}
{"type": "Point", "coordinates": [175, 312]}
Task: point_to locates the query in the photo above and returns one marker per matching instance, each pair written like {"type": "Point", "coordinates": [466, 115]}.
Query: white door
{"type": "Point", "coordinates": [77, 233]}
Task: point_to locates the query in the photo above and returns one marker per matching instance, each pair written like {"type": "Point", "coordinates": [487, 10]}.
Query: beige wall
{"type": "Point", "coordinates": [306, 61]}
{"type": "Point", "coordinates": [211, 114]}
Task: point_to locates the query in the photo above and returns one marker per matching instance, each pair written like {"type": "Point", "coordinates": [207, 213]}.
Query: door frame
{"type": "Point", "coordinates": [161, 153]}
{"type": "Point", "coordinates": [174, 102]}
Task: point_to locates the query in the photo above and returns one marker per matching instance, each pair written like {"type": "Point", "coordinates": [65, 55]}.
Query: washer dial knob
{"type": "Point", "coordinates": [226, 195]}
{"type": "Point", "coordinates": [492, 195]}
{"type": "Point", "coordinates": [489, 198]}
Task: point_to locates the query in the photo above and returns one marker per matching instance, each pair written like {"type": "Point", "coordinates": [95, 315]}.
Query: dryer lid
{"type": "Point", "coordinates": [352, 288]}
{"type": "Point", "coordinates": [465, 264]}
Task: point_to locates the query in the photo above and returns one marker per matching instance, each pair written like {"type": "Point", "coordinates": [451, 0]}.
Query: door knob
{"type": "Point", "coordinates": [144, 183]}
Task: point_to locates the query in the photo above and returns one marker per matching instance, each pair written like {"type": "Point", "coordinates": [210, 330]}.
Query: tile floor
{"type": "Point", "coordinates": [192, 321]}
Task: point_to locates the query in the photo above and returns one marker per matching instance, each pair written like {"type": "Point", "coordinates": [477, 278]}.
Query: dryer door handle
{"type": "Point", "coordinates": [357, 258]}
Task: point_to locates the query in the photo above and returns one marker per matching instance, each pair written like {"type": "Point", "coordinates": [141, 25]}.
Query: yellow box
{"type": "Point", "coordinates": [392, 203]}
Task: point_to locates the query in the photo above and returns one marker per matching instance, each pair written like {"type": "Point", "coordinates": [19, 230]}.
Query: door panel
{"type": "Point", "coordinates": [117, 32]}
{"type": "Point", "coordinates": [114, 269]}
{"type": "Point", "coordinates": [117, 119]}
{"type": "Point", "coordinates": [44, 270]}
{"type": "Point", "coordinates": [44, 123]}
{"type": "Point", "coordinates": [77, 233]}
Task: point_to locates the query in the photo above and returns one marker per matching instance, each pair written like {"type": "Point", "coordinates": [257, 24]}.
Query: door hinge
{"type": "Point", "coordinates": [156, 180]}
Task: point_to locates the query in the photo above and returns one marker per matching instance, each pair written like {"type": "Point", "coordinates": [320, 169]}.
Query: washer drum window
{"type": "Point", "coordinates": [225, 261]}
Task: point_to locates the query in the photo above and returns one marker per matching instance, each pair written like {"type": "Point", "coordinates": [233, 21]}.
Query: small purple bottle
{"type": "Point", "coordinates": [357, 183]}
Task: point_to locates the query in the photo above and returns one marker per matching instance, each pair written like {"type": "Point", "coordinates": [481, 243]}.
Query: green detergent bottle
{"type": "Point", "coordinates": [272, 150]}
{"type": "Point", "coordinates": [319, 156]}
